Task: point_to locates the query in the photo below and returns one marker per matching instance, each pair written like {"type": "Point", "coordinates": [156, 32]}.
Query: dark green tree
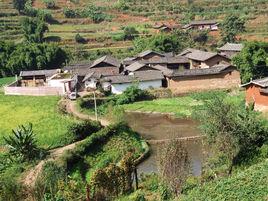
{"type": "Point", "coordinates": [33, 29]}
{"type": "Point", "coordinates": [252, 61]}
{"type": "Point", "coordinates": [230, 27]}
{"type": "Point", "coordinates": [19, 5]}
{"type": "Point", "coordinates": [22, 144]}
{"type": "Point", "coordinates": [130, 33]}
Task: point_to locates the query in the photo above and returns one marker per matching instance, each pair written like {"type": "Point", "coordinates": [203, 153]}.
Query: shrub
{"type": "Point", "coordinates": [130, 33]}
{"type": "Point", "coordinates": [132, 94]}
{"type": "Point", "coordinates": [69, 13]}
{"type": "Point", "coordinates": [50, 4]}
{"type": "Point", "coordinates": [79, 39]}
{"type": "Point", "coordinates": [22, 144]}
{"type": "Point", "coordinates": [83, 129]}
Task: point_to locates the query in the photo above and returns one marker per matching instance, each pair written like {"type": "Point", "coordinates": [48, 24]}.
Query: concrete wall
{"type": "Point", "coordinates": [181, 85]}
{"type": "Point", "coordinates": [253, 95]}
{"type": "Point", "coordinates": [33, 91]}
{"type": "Point", "coordinates": [120, 88]}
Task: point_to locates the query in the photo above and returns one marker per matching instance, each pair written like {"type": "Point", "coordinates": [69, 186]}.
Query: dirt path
{"type": "Point", "coordinates": [54, 154]}
{"type": "Point", "coordinates": [71, 108]}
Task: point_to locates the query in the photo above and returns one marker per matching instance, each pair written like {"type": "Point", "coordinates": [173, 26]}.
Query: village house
{"type": "Point", "coordinates": [165, 27]}
{"type": "Point", "coordinates": [90, 73]}
{"type": "Point", "coordinates": [257, 93]}
{"type": "Point", "coordinates": [41, 83]}
{"type": "Point", "coordinates": [144, 79]}
{"type": "Point", "coordinates": [230, 49]}
{"type": "Point", "coordinates": [203, 59]}
{"type": "Point", "coordinates": [153, 58]}
{"type": "Point", "coordinates": [221, 76]}
{"type": "Point", "coordinates": [210, 25]}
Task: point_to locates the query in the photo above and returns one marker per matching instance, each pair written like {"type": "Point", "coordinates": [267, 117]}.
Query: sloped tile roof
{"type": "Point", "coordinates": [217, 69]}
{"type": "Point", "coordinates": [232, 47]}
{"type": "Point", "coordinates": [263, 82]}
{"type": "Point", "coordinates": [107, 59]}
{"type": "Point", "coordinates": [46, 73]}
{"type": "Point", "coordinates": [136, 76]}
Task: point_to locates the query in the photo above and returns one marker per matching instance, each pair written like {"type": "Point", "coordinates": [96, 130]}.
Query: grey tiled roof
{"type": "Point", "coordinates": [92, 74]}
{"type": "Point", "coordinates": [200, 55]}
{"type": "Point", "coordinates": [217, 69]}
{"type": "Point", "coordinates": [107, 59]}
{"type": "Point", "coordinates": [136, 76]}
{"type": "Point", "coordinates": [231, 47]}
{"type": "Point", "coordinates": [145, 53]}
{"type": "Point", "coordinates": [263, 82]}
{"type": "Point", "coordinates": [203, 22]}
{"type": "Point", "coordinates": [46, 73]}
{"type": "Point", "coordinates": [137, 65]}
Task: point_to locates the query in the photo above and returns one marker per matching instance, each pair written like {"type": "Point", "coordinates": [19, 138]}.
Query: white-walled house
{"type": "Point", "coordinates": [144, 79]}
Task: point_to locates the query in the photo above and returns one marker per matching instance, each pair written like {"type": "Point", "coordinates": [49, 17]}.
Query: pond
{"type": "Point", "coordinates": [155, 127]}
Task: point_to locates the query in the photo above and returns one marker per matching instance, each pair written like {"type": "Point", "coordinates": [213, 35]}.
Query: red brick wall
{"type": "Point", "coordinates": [260, 99]}
{"type": "Point", "coordinates": [182, 85]}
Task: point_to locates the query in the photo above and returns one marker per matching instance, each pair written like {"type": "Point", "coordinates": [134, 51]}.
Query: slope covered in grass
{"type": "Point", "coordinates": [250, 184]}
{"type": "Point", "coordinates": [49, 126]}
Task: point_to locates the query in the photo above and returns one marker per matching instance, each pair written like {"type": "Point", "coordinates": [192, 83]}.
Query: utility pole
{"type": "Point", "coordinates": [95, 104]}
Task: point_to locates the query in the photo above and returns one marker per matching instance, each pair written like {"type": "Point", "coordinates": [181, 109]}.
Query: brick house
{"type": "Point", "coordinates": [230, 49]}
{"type": "Point", "coordinates": [257, 93]}
{"type": "Point", "coordinates": [203, 59]}
{"type": "Point", "coordinates": [222, 76]}
{"type": "Point", "coordinates": [211, 25]}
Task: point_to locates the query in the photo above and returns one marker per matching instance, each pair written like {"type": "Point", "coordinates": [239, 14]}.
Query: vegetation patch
{"type": "Point", "coordinates": [250, 184]}
{"type": "Point", "coordinates": [50, 127]}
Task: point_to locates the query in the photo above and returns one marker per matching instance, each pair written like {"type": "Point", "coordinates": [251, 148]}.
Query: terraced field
{"type": "Point", "coordinates": [142, 14]}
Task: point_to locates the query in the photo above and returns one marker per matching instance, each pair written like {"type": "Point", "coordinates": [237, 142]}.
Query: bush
{"type": "Point", "coordinates": [69, 13]}
{"type": "Point", "coordinates": [83, 129]}
{"type": "Point", "coordinates": [131, 95]}
{"type": "Point", "coordinates": [50, 4]}
{"type": "Point", "coordinates": [79, 39]}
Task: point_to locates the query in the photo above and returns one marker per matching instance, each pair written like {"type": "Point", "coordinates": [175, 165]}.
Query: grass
{"type": "Point", "coordinates": [111, 151]}
{"type": "Point", "coordinates": [248, 185]}
{"type": "Point", "coordinates": [182, 106]}
{"type": "Point", "coordinates": [49, 126]}
{"type": "Point", "coordinates": [6, 80]}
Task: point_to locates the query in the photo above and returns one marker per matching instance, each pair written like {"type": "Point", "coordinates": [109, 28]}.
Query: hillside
{"type": "Point", "coordinates": [250, 184]}
{"type": "Point", "coordinates": [105, 36]}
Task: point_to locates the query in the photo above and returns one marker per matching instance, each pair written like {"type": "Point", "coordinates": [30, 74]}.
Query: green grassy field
{"type": "Point", "coordinates": [182, 106]}
{"type": "Point", "coordinates": [49, 126]}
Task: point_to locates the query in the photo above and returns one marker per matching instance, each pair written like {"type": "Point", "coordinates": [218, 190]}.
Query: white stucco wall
{"type": "Point", "coordinates": [120, 88]}
{"type": "Point", "coordinates": [58, 83]}
{"type": "Point", "coordinates": [91, 83]}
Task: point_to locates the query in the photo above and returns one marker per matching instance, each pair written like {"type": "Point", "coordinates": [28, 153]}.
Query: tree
{"type": "Point", "coordinates": [174, 165]}
{"type": "Point", "coordinates": [32, 56]}
{"type": "Point", "coordinates": [233, 132]}
{"type": "Point", "coordinates": [33, 29]}
{"type": "Point", "coordinates": [252, 61]}
{"type": "Point", "coordinates": [50, 4]}
{"type": "Point", "coordinates": [22, 144]}
{"type": "Point", "coordinates": [230, 27]}
{"type": "Point", "coordinates": [79, 39]}
{"type": "Point", "coordinates": [130, 33]}
{"type": "Point", "coordinates": [19, 5]}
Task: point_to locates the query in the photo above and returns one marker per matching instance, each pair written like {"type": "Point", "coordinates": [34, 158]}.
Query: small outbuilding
{"type": "Point", "coordinates": [230, 49]}
{"type": "Point", "coordinates": [257, 93]}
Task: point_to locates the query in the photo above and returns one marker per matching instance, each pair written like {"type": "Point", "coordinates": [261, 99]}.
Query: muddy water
{"type": "Point", "coordinates": [163, 127]}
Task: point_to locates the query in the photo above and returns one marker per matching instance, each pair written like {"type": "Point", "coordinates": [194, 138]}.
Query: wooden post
{"type": "Point", "coordinates": [136, 178]}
